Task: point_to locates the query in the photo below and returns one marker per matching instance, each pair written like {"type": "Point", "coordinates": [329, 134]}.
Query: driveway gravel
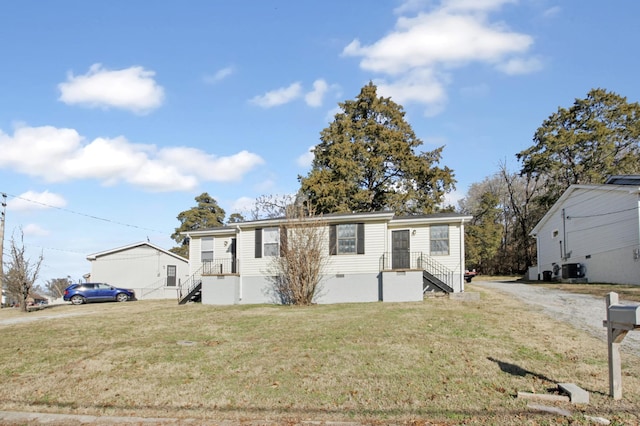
{"type": "Point", "coordinates": [580, 310]}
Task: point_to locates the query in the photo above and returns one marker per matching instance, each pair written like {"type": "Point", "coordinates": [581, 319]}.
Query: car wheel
{"type": "Point", "coordinates": [122, 297]}
{"type": "Point", "coordinates": [77, 300]}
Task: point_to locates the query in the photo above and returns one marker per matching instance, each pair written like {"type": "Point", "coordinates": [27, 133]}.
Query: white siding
{"type": "Point", "coordinates": [595, 227]}
{"type": "Point", "coordinates": [141, 268]}
{"type": "Point", "coordinates": [369, 262]}
{"type": "Point", "coordinates": [348, 277]}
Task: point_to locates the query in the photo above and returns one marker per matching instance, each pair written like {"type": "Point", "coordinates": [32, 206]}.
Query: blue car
{"type": "Point", "coordinates": [96, 292]}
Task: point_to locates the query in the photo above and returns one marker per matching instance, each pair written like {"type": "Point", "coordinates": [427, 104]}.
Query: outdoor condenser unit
{"type": "Point", "coordinates": [572, 270]}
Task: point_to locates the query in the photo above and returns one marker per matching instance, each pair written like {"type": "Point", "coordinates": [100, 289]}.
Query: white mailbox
{"type": "Point", "coordinates": [625, 314]}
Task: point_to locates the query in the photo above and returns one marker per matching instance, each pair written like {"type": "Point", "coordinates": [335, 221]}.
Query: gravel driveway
{"type": "Point", "coordinates": [580, 310]}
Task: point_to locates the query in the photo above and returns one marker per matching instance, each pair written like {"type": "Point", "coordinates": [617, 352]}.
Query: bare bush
{"type": "Point", "coordinates": [297, 273]}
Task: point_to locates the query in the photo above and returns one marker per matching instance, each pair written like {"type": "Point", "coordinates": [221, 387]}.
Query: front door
{"type": "Point", "coordinates": [400, 257]}
{"type": "Point", "coordinates": [171, 275]}
{"type": "Point", "coordinates": [234, 266]}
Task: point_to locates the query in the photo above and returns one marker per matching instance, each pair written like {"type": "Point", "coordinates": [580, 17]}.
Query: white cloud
{"type": "Point", "coordinates": [331, 114]}
{"type": "Point", "coordinates": [552, 12]}
{"type": "Point", "coordinates": [209, 167]}
{"type": "Point", "coordinates": [220, 75]}
{"type": "Point", "coordinates": [517, 66]}
{"type": "Point", "coordinates": [421, 86]}
{"type": "Point", "coordinates": [34, 230]}
{"type": "Point", "coordinates": [61, 155]}
{"type": "Point", "coordinates": [420, 55]}
{"type": "Point", "coordinates": [243, 205]}
{"type": "Point", "coordinates": [306, 159]}
{"type": "Point", "coordinates": [31, 200]}
{"type": "Point", "coordinates": [132, 89]}
{"type": "Point", "coordinates": [315, 97]}
{"type": "Point", "coordinates": [279, 96]}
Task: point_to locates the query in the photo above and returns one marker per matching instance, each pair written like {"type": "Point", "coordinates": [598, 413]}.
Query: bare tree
{"type": "Point", "coordinates": [273, 206]}
{"type": "Point", "coordinates": [297, 273]}
{"type": "Point", "coordinates": [21, 273]}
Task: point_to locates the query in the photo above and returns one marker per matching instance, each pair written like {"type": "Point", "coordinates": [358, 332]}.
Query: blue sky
{"type": "Point", "coordinates": [115, 115]}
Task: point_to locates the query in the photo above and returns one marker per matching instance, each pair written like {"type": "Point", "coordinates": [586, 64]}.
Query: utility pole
{"type": "Point", "coordinates": [2, 218]}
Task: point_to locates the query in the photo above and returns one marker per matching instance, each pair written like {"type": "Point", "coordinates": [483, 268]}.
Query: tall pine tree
{"type": "Point", "coordinates": [367, 160]}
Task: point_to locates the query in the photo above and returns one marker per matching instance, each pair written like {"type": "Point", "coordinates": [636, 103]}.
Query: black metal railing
{"type": "Point", "coordinates": [437, 270]}
{"type": "Point", "coordinates": [417, 261]}
{"type": "Point", "coordinates": [220, 266]}
{"type": "Point", "coordinates": [405, 260]}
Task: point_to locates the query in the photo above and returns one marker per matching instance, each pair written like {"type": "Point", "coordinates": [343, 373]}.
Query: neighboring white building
{"type": "Point", "coordinates": [592, 233]}
{"type": "Point", "coordinates": [371, 257]}
{"type": "Point", "coordinates": [151, 271]}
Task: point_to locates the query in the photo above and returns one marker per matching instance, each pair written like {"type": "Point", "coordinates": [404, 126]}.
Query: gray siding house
{"type": "Point", "coordinates": [152, 272]}
{"type": "Point", "coordinates": [592, 233]}
{"type": "Point", "coordinates": [370, 257]}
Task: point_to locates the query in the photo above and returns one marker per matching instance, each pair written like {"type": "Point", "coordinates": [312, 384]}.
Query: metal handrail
{"type": "Point", "coordinates": [438, 270]}
{"type": "Point", "coordinates": [222, 266]}
{"type": "Point", "coordinates": [191, 283]}
{"type": "Point", "coordinates": [386, 261]}
{"type": "Point", "coordinates": [421, 261]}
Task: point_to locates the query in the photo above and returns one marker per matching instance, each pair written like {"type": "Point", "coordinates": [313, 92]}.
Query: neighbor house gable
{"type": "Point", "coordinates": [95, 256]}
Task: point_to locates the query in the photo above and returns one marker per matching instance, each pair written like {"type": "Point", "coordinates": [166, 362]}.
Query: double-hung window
{"type": "Point", "coordinates": [347, 238]}
{"type": "Point", "coordinates": [271, 241]}
{"type": "Point", "coordinates": [206, 249]}
{"type": "Point", "coordinates": [439, 235]}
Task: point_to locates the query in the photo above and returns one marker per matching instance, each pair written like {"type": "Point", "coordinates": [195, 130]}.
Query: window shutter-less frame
{"type": "Point", "coordinates": [333, 244]}
{"type": "Point", "coordinates": [360, 238]}
{"type": "Point", "coordinates": [258, 243]}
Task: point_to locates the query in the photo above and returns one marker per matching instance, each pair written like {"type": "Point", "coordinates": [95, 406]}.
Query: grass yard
{"type": "Point", "coordinates": [437, 362]}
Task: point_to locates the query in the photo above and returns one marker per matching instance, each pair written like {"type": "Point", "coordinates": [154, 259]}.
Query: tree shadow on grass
{"type": "Point", "coordinates": [516, 370]}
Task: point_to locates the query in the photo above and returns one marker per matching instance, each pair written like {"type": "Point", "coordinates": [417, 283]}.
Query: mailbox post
{"type": "Point", "coordinates": [620, 320]}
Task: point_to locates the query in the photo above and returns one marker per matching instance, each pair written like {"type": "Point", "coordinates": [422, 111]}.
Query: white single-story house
{"type": "Point", "coordinates": [152, 272]}
{"type": "Point", "coordinates": [592, 234]}
{"type": "Point", "coordinates": [370, 257]}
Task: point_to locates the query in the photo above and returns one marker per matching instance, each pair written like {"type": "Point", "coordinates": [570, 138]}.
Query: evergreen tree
{"type": "Point", "coordinates": [596, 137]}
{"type": "Point", "coordinates": [367, 161]}
{"type": "Point", "coordinates": [207, 214]}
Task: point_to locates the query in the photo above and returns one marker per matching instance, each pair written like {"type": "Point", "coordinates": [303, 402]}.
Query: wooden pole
{"type": "Point", "coordinates": [615, 369]}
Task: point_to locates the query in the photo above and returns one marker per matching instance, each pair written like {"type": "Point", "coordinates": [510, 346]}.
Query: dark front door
{"type": "Point", "coordinates": [171, 275]}
{"type": "Point", "coordinates": [400, 258]}
{"type": "Point", "coordinates": [234, 266]}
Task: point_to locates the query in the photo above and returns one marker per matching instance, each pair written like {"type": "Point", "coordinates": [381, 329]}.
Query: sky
{"type": "Point", "coordinates": [115, 115]}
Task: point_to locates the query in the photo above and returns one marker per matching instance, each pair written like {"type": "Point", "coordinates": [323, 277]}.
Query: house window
{"type": "Point", "coordinates": [439, 240]}
{"type": "Point", "coordinates": [346, 239]}
{"type": "Point", "coordinates": [554, 234]}
{"type": "Point", "coordinates": [271, 241]}
{"type": "Point", "coordinates": [206, 249]}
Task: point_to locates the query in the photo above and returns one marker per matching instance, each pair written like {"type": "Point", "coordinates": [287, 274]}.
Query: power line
{"type": "Point", "coordinates": [85, 214]}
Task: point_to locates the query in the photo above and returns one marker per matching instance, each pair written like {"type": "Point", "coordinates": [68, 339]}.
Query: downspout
{"type": "Point", "coordinates": [462, 255]}
{"type": "Point", "coordinates": [238, 265]}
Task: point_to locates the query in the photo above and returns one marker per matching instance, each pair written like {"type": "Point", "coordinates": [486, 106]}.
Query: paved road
{"type": "Point", "coordinates": [580, 310]}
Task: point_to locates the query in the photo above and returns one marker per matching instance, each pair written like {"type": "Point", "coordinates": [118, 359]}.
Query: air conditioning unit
{"type": "Point", "coordinates": [572, 270]}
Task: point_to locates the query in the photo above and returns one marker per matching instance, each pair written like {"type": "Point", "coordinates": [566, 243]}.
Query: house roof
{"type": "Point", "coordinates": [337, 218]}
{"type": "Point", "coordinates": [628, 188]}
{"type": "Point", "coordinates": [94, 256]}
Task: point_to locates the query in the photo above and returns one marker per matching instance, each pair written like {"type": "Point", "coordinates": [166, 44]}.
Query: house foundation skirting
{"type": "Point", "coordinates": [388, 286]}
